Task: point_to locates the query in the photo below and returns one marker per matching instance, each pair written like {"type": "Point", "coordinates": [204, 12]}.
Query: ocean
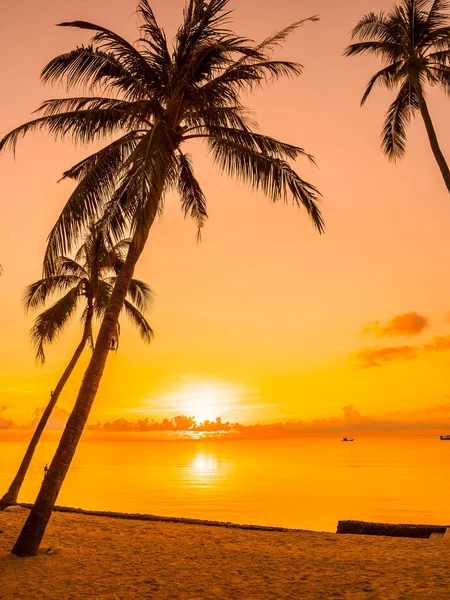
{"type": "Point", "coordinates": [303, 483]}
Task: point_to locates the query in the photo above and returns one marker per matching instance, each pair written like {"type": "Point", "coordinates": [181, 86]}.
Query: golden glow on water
{"type": "Point", "coordinates": [304, 483]}
{"type": "Point", "coordinates": [204, 465]}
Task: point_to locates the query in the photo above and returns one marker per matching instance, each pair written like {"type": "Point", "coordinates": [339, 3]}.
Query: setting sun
{"type": "Point", "coordinates": [204, 401]}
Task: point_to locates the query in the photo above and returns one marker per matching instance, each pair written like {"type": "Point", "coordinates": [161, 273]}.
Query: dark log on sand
{"type": "Point", "coordinates": [401, 530]}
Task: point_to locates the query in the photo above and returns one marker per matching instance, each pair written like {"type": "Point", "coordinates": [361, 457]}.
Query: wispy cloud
{"type": "Point", "coordinates": [438, 343]}
{"type": "Point", "coordinates": [375, 357]}
{"type": "Point", "coordinates": [407, 324]}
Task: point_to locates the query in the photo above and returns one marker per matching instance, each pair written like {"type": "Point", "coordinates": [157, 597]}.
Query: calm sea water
{"type": "Point", "coordinates": [308, 483]}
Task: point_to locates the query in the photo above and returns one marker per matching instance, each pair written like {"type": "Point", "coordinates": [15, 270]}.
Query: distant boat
{"type": "Point", "coordinates": [353, 439]}
{"type": "Point", "coordinates": [445, 437]}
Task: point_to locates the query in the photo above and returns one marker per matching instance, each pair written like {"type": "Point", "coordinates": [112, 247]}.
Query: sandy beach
{"type": "Point", "coordinates": [112, 559]}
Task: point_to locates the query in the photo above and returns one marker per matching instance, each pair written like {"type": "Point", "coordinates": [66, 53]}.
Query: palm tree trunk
{"type": "Point", "coordinates": [11, 495]}
{"type": "Point", "coordinates": [33, 531]}
{"type": "Point", "coordinates": [433, 140]}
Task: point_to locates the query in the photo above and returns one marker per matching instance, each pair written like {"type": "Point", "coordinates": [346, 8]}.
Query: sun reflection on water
{"type": "Point", "coordinates": [206, 470]}
{"type": "Point", "coordinates": [204, 465]}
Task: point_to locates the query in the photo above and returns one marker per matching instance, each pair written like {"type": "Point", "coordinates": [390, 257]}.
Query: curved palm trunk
{"type": "Point", "coordinates": [433, 140]}
{"type": "Point", "coordinates": [11, 495]}
{"type": "Point", "coordinates": [33, 531]}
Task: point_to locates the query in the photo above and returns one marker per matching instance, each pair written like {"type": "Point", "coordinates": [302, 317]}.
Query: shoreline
{"type": "Point", "coordinates": [344, 527]}
{"type": "Point", "coordinates": [162, 519]}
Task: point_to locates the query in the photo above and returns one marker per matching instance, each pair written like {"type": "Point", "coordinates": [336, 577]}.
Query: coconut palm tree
{"type": "Point", "coordinates": [413, 41]}
{"type": "Point", "coordinates": [85, 281]}
{"type": "Point", "coordinates": [153, 100]}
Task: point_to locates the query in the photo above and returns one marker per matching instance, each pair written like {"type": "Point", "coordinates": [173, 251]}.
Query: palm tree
{"type": "Point", "coordinates": [87, 281]}
{"type": "Point", "coordinates": [154, 100]}
{"type": "Point", "coordinates": [413, 41]}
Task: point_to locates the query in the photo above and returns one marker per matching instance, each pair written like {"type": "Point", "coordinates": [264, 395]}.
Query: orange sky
{"type": "Point", "coordinates": [262, 321]}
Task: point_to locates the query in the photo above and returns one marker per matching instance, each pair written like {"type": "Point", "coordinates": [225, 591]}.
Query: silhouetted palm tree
{"type": "Point", "coordinates": [86, 281]}
{"type": "Point", "coordinates": [160, 99]}
{"type": "Point", "coordinates": [413, 40]}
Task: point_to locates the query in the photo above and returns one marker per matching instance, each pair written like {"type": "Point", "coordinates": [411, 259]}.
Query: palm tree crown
{"type": "Point", "coordinates": [155, 99]}
{"type": "Point", "coordinates": [89, 277]}
{"type": "Point", "coordinates": [413, 41]}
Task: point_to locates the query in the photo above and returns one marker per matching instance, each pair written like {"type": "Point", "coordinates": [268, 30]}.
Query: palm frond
{"type": "Point", "coordinates": [387, 77]}
{"type": "Point", "coordinates": [146, 174]}
{"type": "Point", "coordinates": [193, 201]}
{"type": "Point", "coordinates": [438, 13]}
{"type": "Point", "coordinates": [438, 38]}
{"type": "Point", "coordinates": [261, 143]}
{"type": "Point", "coordinates": [373, 26]}
{"type": "Point", "coordinates": [440, 57]}
{"type": "Point", "coordinates": [441, 73]}
{"type": "Point", "coordinates": [97, 187]}
{"type": "Point", "coordinates": [201, 115]}
{"type": "Point", "coordinates": [228, 84]}
{"type": "Point", "coordinates": [276, 40]}
{"type": "Point", "coordinates": [68, 266]}
{"type": "Point", "coordinates": [37, 293]}
{"type": "Point", "coordinates": [117, 214]}
{"type": "Point", "coordinates": [153, 34]}
{"type": "Point", "coordinates": [387, 50]}
{"type": "Point", "coordinates": [273, 176]}
{"type": "Point", "coordinates": [55, 106]}
{"type": "Point", "coordinates": [86, 66]}
{"type": "Point", "coordinates": [140, 295]}
{"type": "Point", "coordinates": [108, 160]}
{"type": "Point", "coordinates": [202, 22]}
{"type": "Point", "coordinates": [138, 319]}
{"type": "Point", "coordinates": [103, 293]}
{"type": "Point", "coordinates": [397, 119]}
{"type": "Point", "coordinates": [83, 206]}
{"type": "Point", "coordinates": [51, 322]}
{"type": "Point", "coordinates": [124, 52]}
{"type": "Point", "coordinates": [82, 126]}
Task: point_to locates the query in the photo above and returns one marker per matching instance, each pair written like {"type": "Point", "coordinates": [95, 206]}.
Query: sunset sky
{"type": "Point", "coordinates": [265, 320]}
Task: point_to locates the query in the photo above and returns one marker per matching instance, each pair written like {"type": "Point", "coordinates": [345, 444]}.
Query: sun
{"type": "Point", "coordinates": [204, 402]}
{"type": "Point", "coordinates": [202, 399]}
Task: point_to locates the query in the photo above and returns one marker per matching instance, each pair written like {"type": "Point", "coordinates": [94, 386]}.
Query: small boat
{"type": "Point", "coordinates": [445, 437]}
{"type": "Point", "coordinates": [348, 439]}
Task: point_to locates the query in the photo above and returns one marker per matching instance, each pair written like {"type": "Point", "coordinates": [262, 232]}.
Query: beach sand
{"type": "Point", "coordinates": [111, 559]}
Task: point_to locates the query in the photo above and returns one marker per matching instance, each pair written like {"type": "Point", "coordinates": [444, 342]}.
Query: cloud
{"type": "Point", "coordinates": [7, 424]}
{"type": "Point", "coordinates": [413, 323]}
{"type": "Point", "coordinates": [178, 423]}
{"type": "Point", "coordinates": [435, 418]}
{"type": "Point", "coordinates": [57, 420]}
{"type": "Point", "coordinates": [353, 416]}
{"type": "Point", "coordinates": [439, 343]}
{"type": "Point", "coordinates": [406, 324]}
{"type": "Point", "coordinates": [375, 357]}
